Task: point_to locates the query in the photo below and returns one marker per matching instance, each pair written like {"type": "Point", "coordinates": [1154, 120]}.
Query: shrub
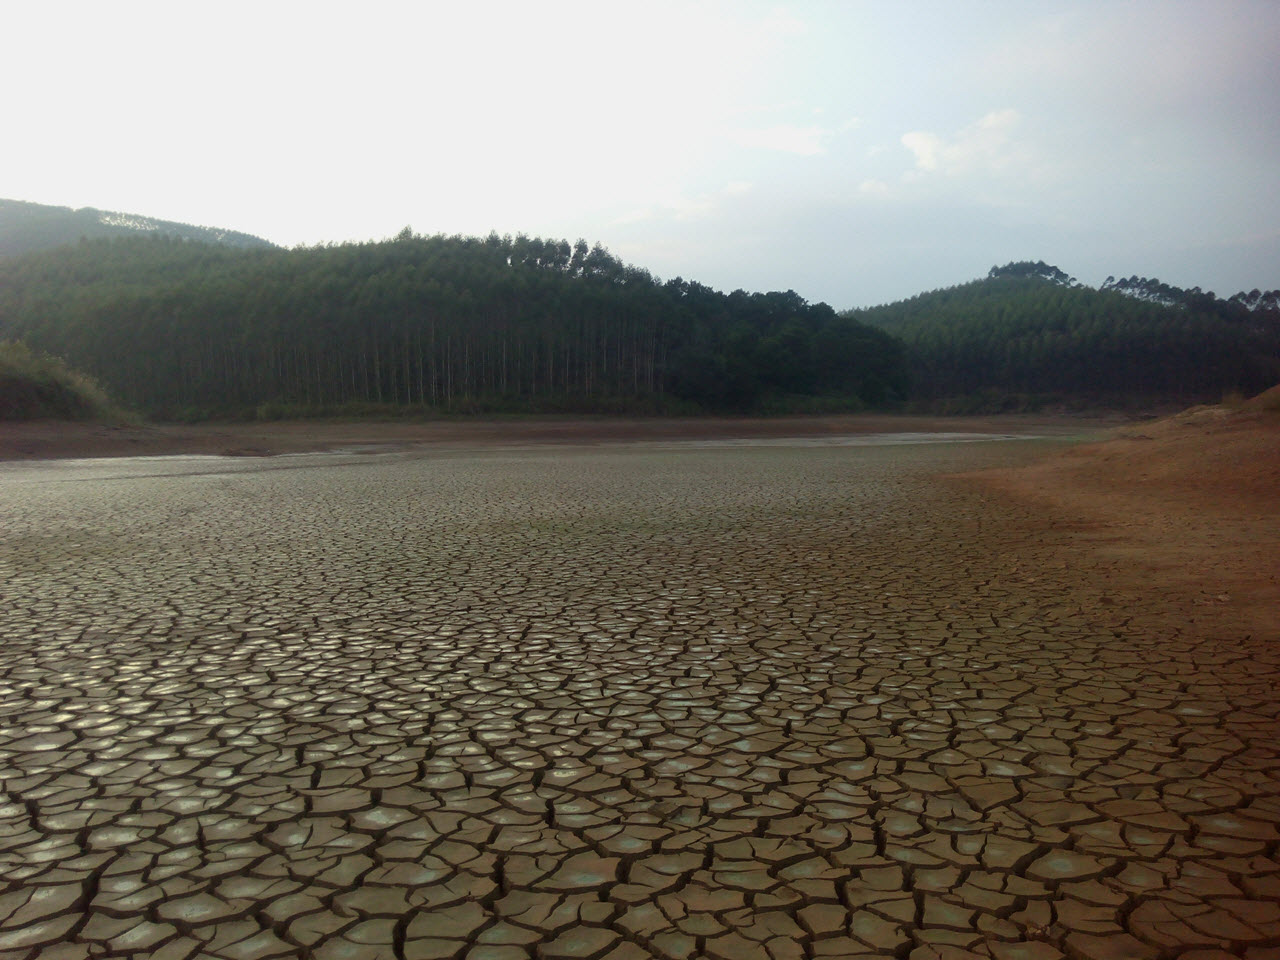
{"type": "Point", "coordinates": [35, 386]}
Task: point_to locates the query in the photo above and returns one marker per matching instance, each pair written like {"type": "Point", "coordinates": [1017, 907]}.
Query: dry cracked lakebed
{"type": "Point", "coordinates": [669, 700]}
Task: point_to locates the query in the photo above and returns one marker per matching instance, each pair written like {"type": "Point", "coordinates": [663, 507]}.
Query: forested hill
{"type": "Point", "coordinates": [183, 328]}
{"type": "Point", "coordinates": [28, 227]}
{"type": "Point", "coordinates": [178, 328]}
{"type": "Point", "coordinates": [1028, 333]}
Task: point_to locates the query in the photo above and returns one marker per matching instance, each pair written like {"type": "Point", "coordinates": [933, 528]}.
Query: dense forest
{"type": "Point", "coordinates": [183, 329]}
{"type": "Point", "coordinates": [190, 322]}
{"type": "Point", "coordinates": [1028, 334]}
{"type": "Point", "coordinates": [29, 227]}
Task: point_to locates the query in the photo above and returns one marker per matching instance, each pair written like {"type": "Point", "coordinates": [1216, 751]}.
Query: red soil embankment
{"type": "Point", "coordinates": [1189, 505]}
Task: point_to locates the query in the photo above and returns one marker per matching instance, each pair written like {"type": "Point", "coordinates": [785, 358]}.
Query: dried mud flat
{"type": "Point", "coordinates": [657, 699]}
{"type": "Point", "coordinates": [52, 439]}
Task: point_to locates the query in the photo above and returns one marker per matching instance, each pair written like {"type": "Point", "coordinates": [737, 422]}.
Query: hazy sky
{"type": "Point", "coordinates": [855, 152]}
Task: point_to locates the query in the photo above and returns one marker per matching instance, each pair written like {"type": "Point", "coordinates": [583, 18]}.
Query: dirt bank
{"type": "Point", "coordinates": [59, 440]}
{"type": "Point", "coordinates": [1191, 503]}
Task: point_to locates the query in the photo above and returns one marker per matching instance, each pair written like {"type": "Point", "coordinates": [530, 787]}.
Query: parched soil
{"type": "Point", "coordinates": [1188, 506]}
{"type": "Point", "coordinates": [56, 439]}
{"type": "Point", "coordinates": [1191, 502]}
{"type": "Point", "coordinates": [555, 696]}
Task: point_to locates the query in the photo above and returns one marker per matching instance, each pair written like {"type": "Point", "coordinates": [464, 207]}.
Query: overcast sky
{"type": "Point", "coordinates": [856, 152]}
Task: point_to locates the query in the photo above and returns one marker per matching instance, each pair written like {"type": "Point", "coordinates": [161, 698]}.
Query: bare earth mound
{"type": "Point", "coordinates": [1189, 505]}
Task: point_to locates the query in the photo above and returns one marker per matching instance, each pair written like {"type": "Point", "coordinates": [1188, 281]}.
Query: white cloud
{"type": "Point", "coordinates": [926, 146]}
{"type": "Point", "coordinates": [986, 146]}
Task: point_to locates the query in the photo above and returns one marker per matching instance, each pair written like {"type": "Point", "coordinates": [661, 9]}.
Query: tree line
{"type": "Point", "coordinates": [186, 329]}
{"type": "Point", "coordinates": [181, 328]}
{"type": "Point", "coordinates": [1029, 329]}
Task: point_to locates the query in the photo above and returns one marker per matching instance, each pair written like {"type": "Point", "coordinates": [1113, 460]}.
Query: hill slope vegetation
{"type": "Point", "coordinates": [1029, 332]}
{"type": "Point", "coordinates": [449, 323]}
{"type": "Point", "coordinates": [188, 329]}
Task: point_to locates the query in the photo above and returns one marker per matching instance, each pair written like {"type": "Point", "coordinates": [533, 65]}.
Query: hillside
{"type": "Point", "coordinates": [1028, 333]}
{"type": "Point", "coordinates": [456, 324]}
{"type": "Point", "coordinates": [183, 328]}
{"type": "Point", "coordinates": [30, 227]}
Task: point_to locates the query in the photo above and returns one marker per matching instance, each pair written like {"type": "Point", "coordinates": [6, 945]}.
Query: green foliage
{"type": "Point", "coordinates": [1027, 269]}
{"type": "Point", "coordinates": [420, 325]}
{"type": "Point", "coordinates": [1029, 331]}
{"type": "Point", "coordinates": [449, 324]}
{"type": "Point", "coordinates": [34, 386]}
{"type": "Point", "coordinates": [746, 350]}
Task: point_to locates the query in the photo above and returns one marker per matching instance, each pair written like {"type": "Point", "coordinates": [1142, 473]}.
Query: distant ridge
{"type": "Point", "coordinates": [1029, 335]}
{"type": "Point", "coordinates": [31, 227]}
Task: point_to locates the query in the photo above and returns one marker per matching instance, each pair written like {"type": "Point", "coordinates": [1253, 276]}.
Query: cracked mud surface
{"type": "Point", "coordinates": [641, 701]}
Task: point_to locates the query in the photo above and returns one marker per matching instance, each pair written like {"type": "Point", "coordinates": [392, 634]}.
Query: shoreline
{"type": "Point", "coordinates": [55, 440]}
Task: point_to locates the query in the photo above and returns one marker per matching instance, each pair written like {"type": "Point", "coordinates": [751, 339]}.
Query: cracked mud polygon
{"type": "Point", "coordinates": [648, 700]}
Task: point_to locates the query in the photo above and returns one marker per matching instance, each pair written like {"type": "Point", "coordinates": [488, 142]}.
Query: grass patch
{"type": "Point", "coordinates": [36, 386]}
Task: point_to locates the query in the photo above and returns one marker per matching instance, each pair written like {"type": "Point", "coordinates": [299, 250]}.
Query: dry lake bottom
{"type": "Point", "coordinates": [780, 698]}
